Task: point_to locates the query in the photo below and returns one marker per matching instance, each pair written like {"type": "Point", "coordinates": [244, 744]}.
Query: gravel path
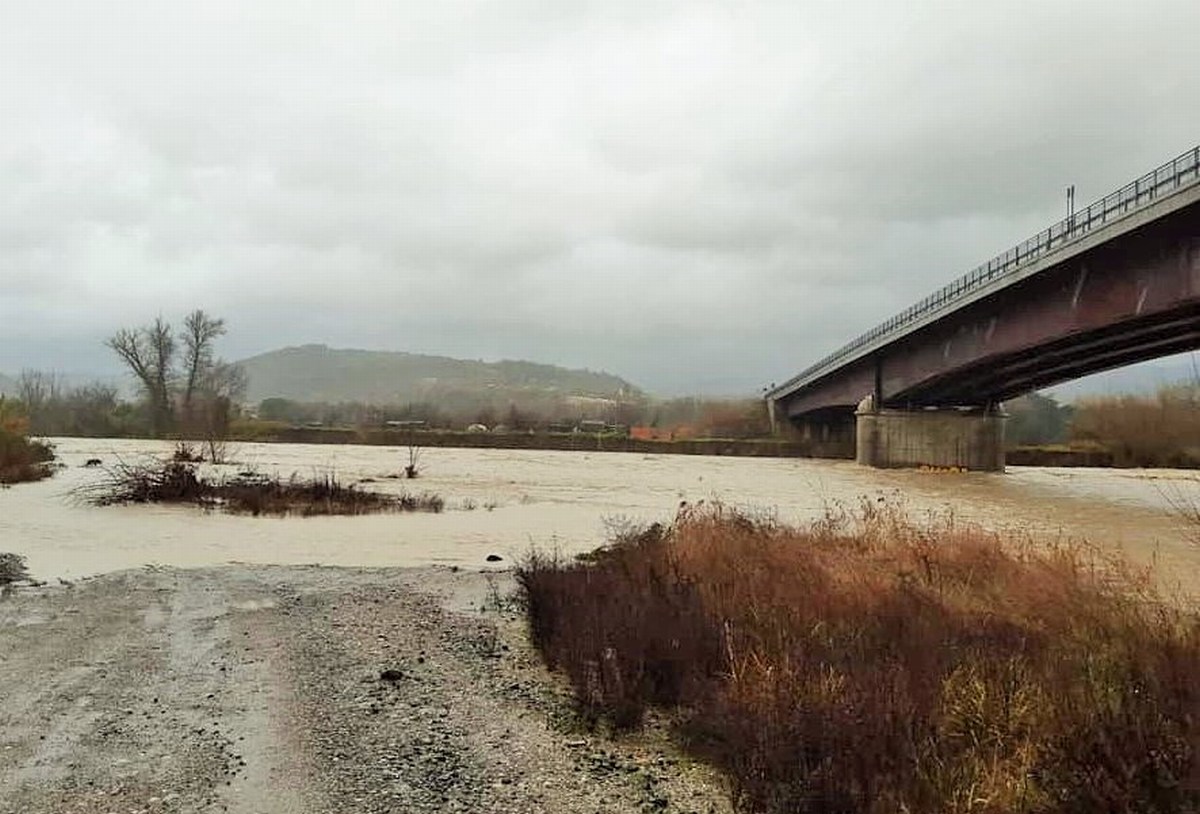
{"type": "Point", "coordinates": [303, 689]}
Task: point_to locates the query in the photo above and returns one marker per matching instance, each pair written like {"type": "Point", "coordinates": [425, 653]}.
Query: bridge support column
{"type": "Point", "coordinates": [966, 439]}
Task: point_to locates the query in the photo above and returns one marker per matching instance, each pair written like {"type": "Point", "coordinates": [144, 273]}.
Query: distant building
{"type": "Point", "coordinates": [651, 434]}
{"type": "Point", "coordinates": [590, 401]}
{"type": "Point", "coordinates": [662, 433]}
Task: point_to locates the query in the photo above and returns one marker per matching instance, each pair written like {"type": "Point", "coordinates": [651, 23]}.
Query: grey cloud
{"type": "Point", "coordinates": [691, 194]}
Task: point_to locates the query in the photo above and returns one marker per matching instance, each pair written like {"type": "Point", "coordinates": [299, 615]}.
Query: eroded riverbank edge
{"type": "Point", "coordinates": [305, 689]}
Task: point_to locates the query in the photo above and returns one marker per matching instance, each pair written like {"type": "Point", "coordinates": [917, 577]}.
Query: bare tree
{"type": "Point", "coordinates": [38, 391]}
{"type": "Point", "coordinates": [225, 380]}
{"type": "Point", "coordinates": [162, 355]}
{"type": "Point", "coordinates": [199, 333]}
{"type": "Point", "coordinates": [149, 352]}
{"type": "Point", "coordinates": [222, 385]}
{"type": "Point", "coordinates": [202, 387]}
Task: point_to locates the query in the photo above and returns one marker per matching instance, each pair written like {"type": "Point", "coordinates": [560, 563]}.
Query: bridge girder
{"type": "Point", "coordinates": [1130, 299]}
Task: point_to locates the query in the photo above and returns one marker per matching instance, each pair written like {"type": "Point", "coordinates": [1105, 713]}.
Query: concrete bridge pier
{"type": "Point", "coordinates": [965, 438]}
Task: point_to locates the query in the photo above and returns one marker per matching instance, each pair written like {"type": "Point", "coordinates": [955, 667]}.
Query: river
{"type": "Point", "coordinates": [564, 500]}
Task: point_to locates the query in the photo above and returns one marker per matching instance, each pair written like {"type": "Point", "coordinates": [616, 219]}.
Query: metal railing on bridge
{"type": "Point", "coordinates": [1183, 171]}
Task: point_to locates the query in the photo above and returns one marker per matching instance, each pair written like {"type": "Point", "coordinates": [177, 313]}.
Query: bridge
{"type": "Point", "coordinates": [1110, 285]}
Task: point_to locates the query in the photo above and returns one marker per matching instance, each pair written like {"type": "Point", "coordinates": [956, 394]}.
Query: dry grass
{"type": "Point", "coordinates": [176, 481]}
{"type": "Point", "coordinates": [1184, 499]}
{"type": "Point", "coordinates": [870, 664]}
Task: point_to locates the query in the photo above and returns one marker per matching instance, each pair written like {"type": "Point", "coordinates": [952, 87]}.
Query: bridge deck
{"type": "Point", "coordinates": [1170, 187]}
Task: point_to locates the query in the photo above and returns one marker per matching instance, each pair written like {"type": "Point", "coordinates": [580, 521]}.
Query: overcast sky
{"type": "Point", "coordinates": [698, 196]}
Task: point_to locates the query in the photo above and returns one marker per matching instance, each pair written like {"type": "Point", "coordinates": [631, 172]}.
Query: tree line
{"type": "Point", "coordinates": [184, 388]}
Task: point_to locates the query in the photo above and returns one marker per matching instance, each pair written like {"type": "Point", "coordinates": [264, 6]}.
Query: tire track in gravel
{"type": "Point", "coordinates": [130, 699]}
{"type": "Point", "coordinates": [294, 690]}
{"type": "Point", "coordinates": [63, 663]}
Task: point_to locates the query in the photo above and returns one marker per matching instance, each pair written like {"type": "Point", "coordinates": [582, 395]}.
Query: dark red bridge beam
{"type": "Point", "coordinates": [1134, 298]}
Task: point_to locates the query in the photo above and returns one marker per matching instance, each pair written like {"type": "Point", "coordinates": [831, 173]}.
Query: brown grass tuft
{"type": "Point", "coordinates": [869, 663]}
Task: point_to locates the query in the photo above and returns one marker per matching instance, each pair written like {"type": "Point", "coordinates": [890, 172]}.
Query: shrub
{"type": "Point", "coordinates": [870, 664]}
{"type": "Point", "coordinates": [12, 569]}
{"type": "Point", "coordinates": [176, 481]}
{"type": "Point", "coordinates": [20, 458]}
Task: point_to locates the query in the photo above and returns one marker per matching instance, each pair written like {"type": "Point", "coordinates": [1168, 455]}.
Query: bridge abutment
{"type": "Point", "coordinates": [964, 439]}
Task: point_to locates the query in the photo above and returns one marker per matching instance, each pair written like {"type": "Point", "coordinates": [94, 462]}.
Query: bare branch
{"type": "Point", "coordinates": [225, 380]}
{"type": "Point", "coordinates": [199, 333]}
{"type": "Point", "coordinates": [128, 345]}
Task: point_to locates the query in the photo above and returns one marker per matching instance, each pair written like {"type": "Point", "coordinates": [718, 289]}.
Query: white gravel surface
{"type": "Point", "coordinates": [272, 689]}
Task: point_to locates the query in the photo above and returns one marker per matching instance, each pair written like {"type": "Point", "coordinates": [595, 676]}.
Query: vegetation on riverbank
{"type": "Point", "coordinates": [181, 482]}
{"type": "Point", "coordinates": [1073, 454]}
{"type": "Point", "coordinates": [569, 441]}
{"type": "Point", "coordinates": [21, 459]}
{"type": "Point", "coordinates": [1159, 430]}
{"type": "Point", "coordinates": [867, 663]}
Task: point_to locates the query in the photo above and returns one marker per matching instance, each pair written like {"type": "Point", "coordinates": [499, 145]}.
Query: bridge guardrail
{"type": "Point", "coordinates": [1182, 171]}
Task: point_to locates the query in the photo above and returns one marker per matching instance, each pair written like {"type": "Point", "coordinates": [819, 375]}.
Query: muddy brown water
{"type": "Point", "coordinates": [557, 499]}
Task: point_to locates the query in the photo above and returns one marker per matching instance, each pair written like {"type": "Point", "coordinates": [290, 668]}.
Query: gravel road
{"type": "Point", "coordinates": [303, 689]}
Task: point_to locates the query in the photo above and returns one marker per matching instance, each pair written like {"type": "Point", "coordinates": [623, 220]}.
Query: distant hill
{"type": "Point", "coordinates": [8, 385]}
{"type": "Point", "coordinates": [316, 373]}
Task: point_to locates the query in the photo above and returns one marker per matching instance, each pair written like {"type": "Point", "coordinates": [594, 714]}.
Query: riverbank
{"type": "Point", "coordinates": [294, 689]}
{"type": "Point", "coordinates": [1061, 455]}
{"type": "Point", "coordinates": [567, 442]}
{"type": "Point", "coordinates": [1047, 455]}
{"type": "Point", "coordinates": [1096, 455]}
{"type": "Point", "coordinates": [122, 667]}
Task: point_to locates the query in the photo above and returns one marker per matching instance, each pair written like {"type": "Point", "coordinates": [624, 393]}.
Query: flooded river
{"type": "Point", "coordinates": [558, 499]}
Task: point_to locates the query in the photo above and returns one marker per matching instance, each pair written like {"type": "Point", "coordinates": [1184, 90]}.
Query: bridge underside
{"type": "Point", "coordinates": [1068, 358]}
{"type": "Point", "coordinates": [1122, 302]}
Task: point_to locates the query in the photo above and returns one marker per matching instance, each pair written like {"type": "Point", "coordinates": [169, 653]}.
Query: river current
{"type": "Point", "coordinates": [504, 501]}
